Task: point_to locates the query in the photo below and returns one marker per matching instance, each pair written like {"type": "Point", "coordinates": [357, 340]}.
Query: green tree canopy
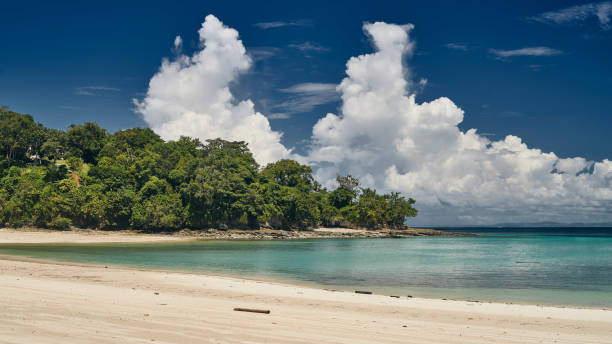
{"type": "Point", "coordinates": [88, 178]}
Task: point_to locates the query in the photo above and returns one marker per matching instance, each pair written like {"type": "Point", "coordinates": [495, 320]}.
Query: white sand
{"type": "Point", "coordinates": [43, 302]}
{"type": "Point", "coordinates": [8, 235]}
{"type": "Point", "coordinates": [339, 230]}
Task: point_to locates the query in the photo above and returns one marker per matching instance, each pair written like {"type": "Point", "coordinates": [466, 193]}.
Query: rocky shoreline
{"type": "Point", "coordinates": [322, 233]}
{"type": "Point", "coordinates": [79, 235]}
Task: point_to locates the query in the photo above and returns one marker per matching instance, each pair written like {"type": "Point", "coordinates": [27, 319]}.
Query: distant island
{"type": "Point", "coordinates": [85, 177]}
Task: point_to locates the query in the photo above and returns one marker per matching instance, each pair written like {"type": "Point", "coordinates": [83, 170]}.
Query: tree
{"type": "Point", "coordinates": [21, 193]}
{"type": "Point", "coordinates": [159, 207]}
{"type": "Point", "coordinates": [17, 134]}
{"type": "Point", "coordinates": [118, 207]}
{"type": "Point", "coordinates": [369, 211]}
{"type": "Point", "coordinates": [74, 163]}
{"type": "Point", "coordinates": [220, 193]}
{"type": "Point", "coordinates": [399, 208]}
{"type": "Point", "coordinates": [289, 173]}
{"type": "Point", "coordinates": [329, 216]}
{"type": "Point", "coordinates": [346, 192]}
{"type": "Point", "coordinates": [57, 205]}
{"type": "Point", "coordinates": [55, 145]}
{"type": "Point", "coordinates": [85, 141]}
{"type": "Point", "coordinates": [113, 172]}
{"type": "Point", "coordinates": [36, 138]}
{"type": "Point", "coordinates": [288, 195]}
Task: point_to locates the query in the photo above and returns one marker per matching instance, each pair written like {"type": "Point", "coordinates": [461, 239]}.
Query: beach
{"type": "Point", "coordinates": [73, 303]}
{"type": "Point", "coordinates": [42, 236]}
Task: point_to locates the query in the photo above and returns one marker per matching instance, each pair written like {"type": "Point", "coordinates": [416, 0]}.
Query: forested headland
{"type": "Point", "coordinates": [86, 177]}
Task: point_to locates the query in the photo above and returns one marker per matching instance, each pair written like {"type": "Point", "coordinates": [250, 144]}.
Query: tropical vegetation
{"type": "Point", "coordinates": [86, 177]}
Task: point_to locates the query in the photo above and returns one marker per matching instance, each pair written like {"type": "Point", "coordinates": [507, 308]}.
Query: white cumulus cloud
{"type": "Point", "coordinates": [382, 135]}
{"type": "Point", "coordinates": [190, 96]}
{"type": "Point", "coordinates": [392, 142]}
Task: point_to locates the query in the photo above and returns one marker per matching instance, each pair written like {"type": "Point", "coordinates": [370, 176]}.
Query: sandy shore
{"type": "Point", "coordinates": [46, 302]}
{"type": "Point", "coordinates": [56, 303]}
{"type": "Point", "coordinates": [42, 236]}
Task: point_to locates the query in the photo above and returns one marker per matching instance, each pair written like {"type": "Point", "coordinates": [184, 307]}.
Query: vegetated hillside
{"type": "Point", "coordinates": [86, 177]}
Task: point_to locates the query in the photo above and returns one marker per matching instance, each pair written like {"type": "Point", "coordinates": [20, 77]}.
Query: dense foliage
{"type": "Point", "coordinates": [86, 177]}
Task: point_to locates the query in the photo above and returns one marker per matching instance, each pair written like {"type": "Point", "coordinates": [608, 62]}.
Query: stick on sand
{"type": "Point", "coordinates": [252, 310]}
{"type": "Point", "coordinates": [363, 292]}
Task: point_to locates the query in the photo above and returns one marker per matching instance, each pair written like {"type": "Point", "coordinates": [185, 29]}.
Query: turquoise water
{"type": "Point", "coordinates": [564, 267]}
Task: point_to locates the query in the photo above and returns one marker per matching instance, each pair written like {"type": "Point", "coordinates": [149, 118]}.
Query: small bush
{"type": "Point", "coordinates": [59, 223]}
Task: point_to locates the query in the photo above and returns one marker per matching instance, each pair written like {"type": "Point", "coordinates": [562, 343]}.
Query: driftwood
{"type": "Point", "coordinates": [252, 310]}
{"type": "Point", "coordinates": [363, 292]}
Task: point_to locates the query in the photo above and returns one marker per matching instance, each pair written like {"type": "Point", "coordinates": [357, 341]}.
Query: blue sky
{"type": "Point", "coordinates": [538, 71]}
{"type": "Point", "coordinates": [54, 51]}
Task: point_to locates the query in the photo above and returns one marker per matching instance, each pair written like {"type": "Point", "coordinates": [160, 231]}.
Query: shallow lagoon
{"type": "Point", "coordinates": [562, 266]}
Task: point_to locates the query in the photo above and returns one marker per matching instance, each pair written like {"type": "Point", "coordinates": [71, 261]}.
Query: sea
{"type": "Point", "coordinates": [544, 266]}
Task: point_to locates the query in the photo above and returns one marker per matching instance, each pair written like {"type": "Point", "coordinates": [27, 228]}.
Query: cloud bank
{"type": "Point", "coordinates": [383, 136]}
{"type": "Point", "coordinates": [388, 140]}
{"type": "Point", "coordinates": [190, 96]}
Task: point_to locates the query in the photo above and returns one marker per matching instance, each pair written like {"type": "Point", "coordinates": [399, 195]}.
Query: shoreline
{"type": "Point", "coordinates": [30, 236]}
{"type": "Point", "coordinates": [96, 304]}
{"type": "Point", "coordinates": [286, 282]}
{"type": "Point", "coordinates": [89, 236]}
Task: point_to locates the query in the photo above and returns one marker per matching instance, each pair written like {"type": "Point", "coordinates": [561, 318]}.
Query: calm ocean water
{"type": "Point", "coordinates": [563, 266]}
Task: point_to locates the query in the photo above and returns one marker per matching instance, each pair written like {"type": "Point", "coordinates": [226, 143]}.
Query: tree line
{"type": "Point", "coordinates": [89, 178]}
